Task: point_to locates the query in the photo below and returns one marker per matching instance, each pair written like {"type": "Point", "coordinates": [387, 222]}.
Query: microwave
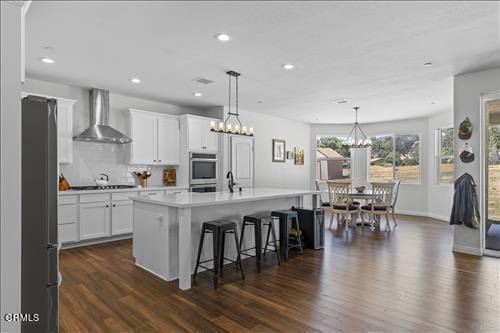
{"type": "Point", "coordinates": [202, 168]}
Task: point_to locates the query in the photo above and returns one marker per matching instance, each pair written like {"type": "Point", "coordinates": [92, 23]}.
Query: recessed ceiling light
{"type": "Point", "coordinates": [223, 37]}
{"type": "Point", "coordinates": [135, 80]}
{"type": "Point", "coordinates": [288, 66]}
{"type": "Point", "coordinates": [47, 60]}
{"type": "Point", "coordinates": [428, 64]}
{"type": "Point", "coordinates": [197, 94]}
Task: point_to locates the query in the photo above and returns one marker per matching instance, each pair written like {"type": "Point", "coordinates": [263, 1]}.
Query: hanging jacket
{"type": "Point", "coordinates": [465, 204]}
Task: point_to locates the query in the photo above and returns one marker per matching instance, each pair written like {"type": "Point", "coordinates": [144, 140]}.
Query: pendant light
{"type": "Point", "coordinates": [232, 123]}
{"type": "Point", "coordinates": [357, 138]}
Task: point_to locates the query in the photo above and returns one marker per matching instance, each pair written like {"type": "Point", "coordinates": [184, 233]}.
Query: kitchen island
{"type": "Point", "coordinates": [167, 228]}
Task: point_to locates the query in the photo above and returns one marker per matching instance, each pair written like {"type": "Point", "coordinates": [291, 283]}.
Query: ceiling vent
{"type": "Point", "coordinates": [203, 80]}
{"type": "Point", "coordinates": [340, 101]}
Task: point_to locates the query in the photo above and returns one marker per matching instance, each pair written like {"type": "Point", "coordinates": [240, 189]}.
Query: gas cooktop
{"type": "Point", "coordinates": [95, 187]}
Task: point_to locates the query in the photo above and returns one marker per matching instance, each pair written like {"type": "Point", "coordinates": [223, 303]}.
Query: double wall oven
{"type": "Point", "coordinates": [203, 170]}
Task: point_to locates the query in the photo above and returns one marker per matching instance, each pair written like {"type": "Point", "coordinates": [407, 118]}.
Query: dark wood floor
{"type": "Point", "coordinates": [408, 280]}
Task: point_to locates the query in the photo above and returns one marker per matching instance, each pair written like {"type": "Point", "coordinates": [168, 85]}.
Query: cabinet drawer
{"type": "Point", "coordinates": [67, 199]}
{"type": "Point", "coordinates": [68, 233]}
{"type": "Point", "coordinates": [181, 190]}
{"type": "Point", "coordinates": [67, 214]}
{"type": "Point", "coordinates": [154, 193]}
{"type": "Point", "coordinates": [94, 197]}
{"type": "Point", "coordinates": [123, 195]}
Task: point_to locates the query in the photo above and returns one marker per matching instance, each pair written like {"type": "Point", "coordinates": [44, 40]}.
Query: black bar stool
{"type": "Point", "coordinates": [287, 241]}
{"type": "Point", "coordinates": [218, 229]}
{"type": "Point", "coordinates": [258, 220]}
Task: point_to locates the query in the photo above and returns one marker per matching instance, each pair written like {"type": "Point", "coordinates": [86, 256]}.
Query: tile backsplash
{"type": "Point", "coordinates": [91, 159]}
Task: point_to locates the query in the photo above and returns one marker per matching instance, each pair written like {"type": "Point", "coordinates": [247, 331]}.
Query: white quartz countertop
{"type": "Point", "coordinates": [193, 199]}
{"type": "Point", "coordinates": [133, 189]}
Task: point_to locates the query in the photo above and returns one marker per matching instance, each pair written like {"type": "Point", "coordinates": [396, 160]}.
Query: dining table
{"type": "Point", "coordinates": [366, 195]}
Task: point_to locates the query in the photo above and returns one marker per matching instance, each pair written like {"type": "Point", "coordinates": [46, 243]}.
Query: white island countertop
{"type": "Point", "coordinates": [193, 199]}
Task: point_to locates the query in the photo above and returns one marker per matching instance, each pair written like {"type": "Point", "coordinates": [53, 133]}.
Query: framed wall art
{"type": "Point", "coordinates": [299, 156]}
{"type": "Point", "coordinates": [279, 150]}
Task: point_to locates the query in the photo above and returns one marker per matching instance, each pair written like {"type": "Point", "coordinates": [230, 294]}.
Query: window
{"type": "Point", "coordinates": [333, 160]}
{"type": "Point", "coordinates": [406, 164]}
{"type": "Point", "coordinates": [407, 160]}
{"type": "Point", "coordinates": [381, 158]}
{"type": "Point", "coordinates": [444, 157]}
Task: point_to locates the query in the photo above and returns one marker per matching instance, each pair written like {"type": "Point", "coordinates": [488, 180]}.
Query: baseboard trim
{"type": "Point", "coordinates": [439, 217]}
{"type": "Point", "coordinates": [423, 214]}
{"type": "Point", "coordinates": [155, 274]}
{"type": "Point", "coordinates": [412, 213]}
{"type": "Point", "coordinates": [468, 250]}
{"type": "Point", "coordinates": [96, 241]}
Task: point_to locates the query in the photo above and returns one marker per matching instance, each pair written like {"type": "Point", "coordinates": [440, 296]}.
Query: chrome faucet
{"type": "Point", "coordinates": [230, 182]}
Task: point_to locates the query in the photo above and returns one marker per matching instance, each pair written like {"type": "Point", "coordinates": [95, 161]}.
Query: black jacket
{"type": "Point", "coordinates": [465, 205]}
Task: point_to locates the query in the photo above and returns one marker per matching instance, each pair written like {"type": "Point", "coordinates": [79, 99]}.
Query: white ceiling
{"type": "Point", "coordinates": [371, 53]}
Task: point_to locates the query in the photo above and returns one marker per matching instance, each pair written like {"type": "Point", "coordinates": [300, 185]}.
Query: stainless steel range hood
{"type": "Point", "coordinates": [99, 129]}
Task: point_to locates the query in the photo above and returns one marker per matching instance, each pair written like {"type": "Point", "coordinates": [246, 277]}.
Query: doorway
{"type": "Point", "coordinates": [491, 159]}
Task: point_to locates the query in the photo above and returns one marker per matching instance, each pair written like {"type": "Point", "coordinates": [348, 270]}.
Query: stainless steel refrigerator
{"type": "Point", "coordinates": [40, 251]}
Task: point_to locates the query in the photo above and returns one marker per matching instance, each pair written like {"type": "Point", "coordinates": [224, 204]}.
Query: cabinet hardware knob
{"type": "Point", "coordinates": [159, 160]}
{"type": "Point", "coordinates": [114, 205]}
{"type": "Point", "coordinates": [154, 160]}
{"type": "Point", "coordinates": [107, 205]}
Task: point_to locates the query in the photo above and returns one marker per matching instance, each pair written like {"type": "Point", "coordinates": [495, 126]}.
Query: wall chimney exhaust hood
{"type": "Point", "coordinates": [99, 129]}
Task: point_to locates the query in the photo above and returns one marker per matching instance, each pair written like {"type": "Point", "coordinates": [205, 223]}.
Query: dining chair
{"type": "Point", "coordinates": [380, 203]}
{"type": "Point", "coordinates": [323, 204]}
{"type": "Point", "coordinates": [341, 202]}
{"type": "Point", "coordinates": [395, 200]}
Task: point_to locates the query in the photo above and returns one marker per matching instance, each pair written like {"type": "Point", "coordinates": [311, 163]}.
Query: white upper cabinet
{"type": "Point", "coordinates": [64, 127]}
{"type": "Point", "coordinates": [155, 138]}
{"type": "Point", "coordinates": [65, 130]}
{"type": "Point", "coordinates": [168, 141]}
{"type": "Point", "coordinates": [199, 136]}
{"type": "Point", "coordinates": [143, 128]}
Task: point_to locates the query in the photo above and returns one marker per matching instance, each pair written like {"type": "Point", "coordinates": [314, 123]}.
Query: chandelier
{"type": "Point", "coordinates": [232, 123]}
{"type": "Point", "coordinates": [357, 138]}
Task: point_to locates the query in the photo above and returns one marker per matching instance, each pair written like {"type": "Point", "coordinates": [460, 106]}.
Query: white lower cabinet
{"type": "Point", "coordinates": [98, 215]}
{"type": "Point", "coordinates": [95, 220]}
{"type": "Point", "coordinates": [68, 219]}
{"type": "Point", "coordinates": [121, 217]}
{"type": "Point", "coordinates": [67, 232]}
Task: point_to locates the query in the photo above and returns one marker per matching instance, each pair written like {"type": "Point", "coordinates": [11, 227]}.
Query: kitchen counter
{"type": "Point", "coordinates": [138, 188]}
{"type": "Point", "coordinates": [193, 199]}
{"type": "Point", "coordinates": [167, 227]}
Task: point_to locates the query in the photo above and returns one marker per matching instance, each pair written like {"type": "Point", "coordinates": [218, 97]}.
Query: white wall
{"type": "Point", "coordinates": [467, 90]}
{"type": "Point", "coordinates": [10, 141]}
{"type": "Point", "coordinates": [274, 174]}
{"type": "Point", "coordinates": [412, 198]}
{"type": "Point", "coordinates": [440, 196]}
{"type": "Point", "coordinates": [90, 159]}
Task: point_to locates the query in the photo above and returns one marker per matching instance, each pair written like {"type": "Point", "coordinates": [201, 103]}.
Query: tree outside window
{"type": "Point", "coordinates": [445, 155]}
{"type": "Point", "coordinates": [395, 157]}
{"type": "Point", "coordinates": [382, 158]}
{"type": "Point", "coordinates": [407, 162]}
